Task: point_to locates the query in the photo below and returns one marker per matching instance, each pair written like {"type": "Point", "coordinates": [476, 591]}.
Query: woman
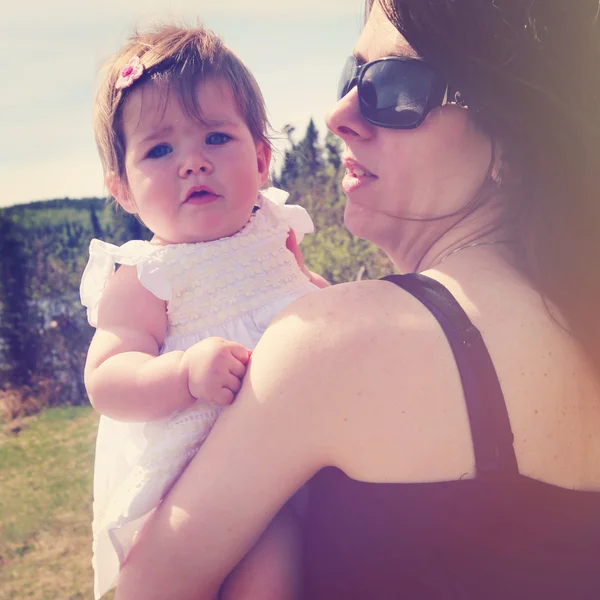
{"type": "Point", "coordinates": [435, 468]}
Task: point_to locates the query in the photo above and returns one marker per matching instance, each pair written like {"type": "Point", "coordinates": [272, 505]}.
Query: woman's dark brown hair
{"type": "Point", "coordinates": [529, 72]}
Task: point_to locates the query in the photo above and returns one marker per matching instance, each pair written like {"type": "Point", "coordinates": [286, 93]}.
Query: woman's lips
{"type": "Point", "coordinates": [356, 176]}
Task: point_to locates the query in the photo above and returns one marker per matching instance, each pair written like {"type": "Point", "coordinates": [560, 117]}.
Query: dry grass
{"type": "Point", "coordinates": [45, 505]}
{"type": "Point", "coordinates": [16, 403]}
{"type": "Point", "coordinates": [29, 399]}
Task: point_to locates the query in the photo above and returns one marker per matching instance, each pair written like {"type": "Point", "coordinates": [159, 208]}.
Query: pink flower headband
{"type": "Point", "coordinates": [132, 71]}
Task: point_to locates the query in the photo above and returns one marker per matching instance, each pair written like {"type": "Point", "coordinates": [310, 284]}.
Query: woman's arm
{"type": "Point", "coordinates": [272, 569]}
{"type": "Point", "coordinates": [261, 450]}
{"type": "Point", "coordinates": [322, 389]}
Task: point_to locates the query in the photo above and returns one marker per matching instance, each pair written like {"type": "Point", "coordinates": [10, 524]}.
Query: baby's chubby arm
{"type": "Point", "coordinates": [126, 378]}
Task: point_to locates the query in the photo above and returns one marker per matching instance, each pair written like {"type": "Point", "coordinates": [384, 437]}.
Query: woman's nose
{"type": "Point", "coordinates": [346, 120]}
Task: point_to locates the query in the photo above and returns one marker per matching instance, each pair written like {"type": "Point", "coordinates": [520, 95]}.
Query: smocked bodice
{"type": "Point", "coordinates": [207, 284]}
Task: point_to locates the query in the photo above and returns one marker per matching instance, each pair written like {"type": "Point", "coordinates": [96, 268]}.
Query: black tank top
{"type": "Point", "coordinates": [498, 536]}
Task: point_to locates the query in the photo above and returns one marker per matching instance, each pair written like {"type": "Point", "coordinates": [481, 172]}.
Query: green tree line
{"type": "Point", "coordinates": [44, 333]}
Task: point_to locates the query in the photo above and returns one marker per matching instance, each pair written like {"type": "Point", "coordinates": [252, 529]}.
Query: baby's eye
{"type": "Point", "coordinates": [217, 139]}
{"type": "Point", "coordinates": [159, 151]}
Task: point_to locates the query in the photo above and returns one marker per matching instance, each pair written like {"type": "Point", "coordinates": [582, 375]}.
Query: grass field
{"type": "Point", "coordinates": [45, 505]}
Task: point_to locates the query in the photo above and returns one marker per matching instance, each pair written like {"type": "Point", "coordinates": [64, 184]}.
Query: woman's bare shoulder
{"type": "Point", "coordinates": [352, 308]}
{"type": "Point", "coordinates": [365, 365]}
{"type": "Point", "coordinates": [345, 322]}
{"type": "Point", "coordinates": [339, 324]}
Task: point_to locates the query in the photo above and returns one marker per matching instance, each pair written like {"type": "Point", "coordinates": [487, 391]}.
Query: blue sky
{"type": "Point", "coordinates": [51, 50]}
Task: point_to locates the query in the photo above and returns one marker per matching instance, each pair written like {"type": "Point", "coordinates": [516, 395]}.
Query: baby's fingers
{"type": "Point", "coordinates": [224, 397]}
{"type": "Point", "coordinates": [237, 367]}
{"type": "Point", "coordinates": [226, 394]}
{"type": "Point", "coordinates": [291, 243]}
{"type": "Point", "coordinates": [240, 352]}
{"type": "Point", "coordinates": [233, 384]}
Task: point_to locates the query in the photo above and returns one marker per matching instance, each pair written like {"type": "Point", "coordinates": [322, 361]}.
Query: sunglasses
{"type": "Point", "coordinates": [396, 92]}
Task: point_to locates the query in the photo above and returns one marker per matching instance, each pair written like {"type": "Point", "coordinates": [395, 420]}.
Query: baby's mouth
{"type": "Point", "coordinates": [201, 195]}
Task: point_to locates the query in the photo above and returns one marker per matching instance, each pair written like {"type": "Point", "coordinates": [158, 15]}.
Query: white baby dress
{"type": "Point", "coordinates": [230, 288]}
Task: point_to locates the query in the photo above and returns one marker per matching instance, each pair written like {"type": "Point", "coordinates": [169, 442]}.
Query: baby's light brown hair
{"type": "Point", "coordinates": [177, 58]}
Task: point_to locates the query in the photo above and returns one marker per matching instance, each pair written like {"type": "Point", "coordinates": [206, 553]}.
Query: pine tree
{"type": "Point", "coordinates": [19, 319]}
{"type": "Point", "coordinates": [333, 151]}
{"type": "Point", "coordinates": [311, 151]}
{"type": "Point", "coordinates": [96, 227]}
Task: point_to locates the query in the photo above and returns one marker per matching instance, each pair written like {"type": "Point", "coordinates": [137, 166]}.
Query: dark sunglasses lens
{"type": "Point", "coordinates": [396, 93]}
{"type": "Point", "coordinates": [348, 74]}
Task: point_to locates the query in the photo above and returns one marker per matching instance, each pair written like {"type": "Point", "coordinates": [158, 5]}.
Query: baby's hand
{"type": "Point", "coordinates": [292, 245]}
{"type": "Point", "coordinates": [215, 369]}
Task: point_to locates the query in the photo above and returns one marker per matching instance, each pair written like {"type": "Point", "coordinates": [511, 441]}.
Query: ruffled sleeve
{"type": "Point", "coordinates": [295, 216]}
{"type": "Point", "coordinates": [101, 265]}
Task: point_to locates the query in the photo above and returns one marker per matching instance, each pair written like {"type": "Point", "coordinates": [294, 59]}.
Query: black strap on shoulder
{"type": "Point", "coordinates": [490, 426]}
